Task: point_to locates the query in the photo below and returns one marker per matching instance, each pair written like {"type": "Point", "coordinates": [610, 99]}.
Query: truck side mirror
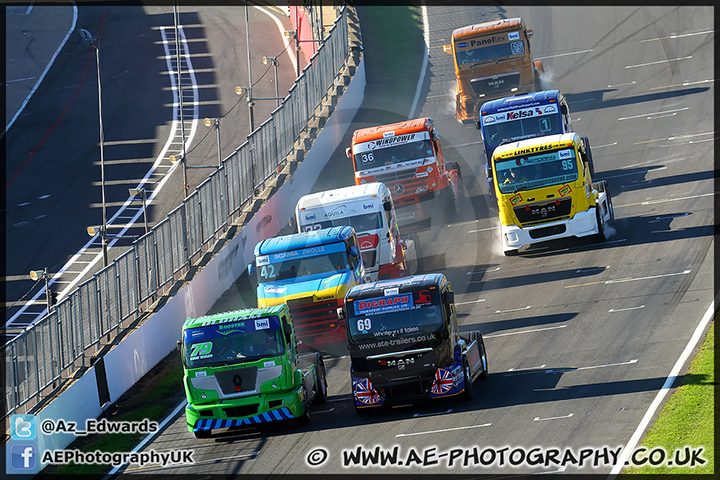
{"type": "Point", "coordinates": [449, 297]}
{"type": "Point", "coordinates": [292, 223]}
{"type": "Point", "coordinates": [436, 136]}
{"type": "Point", "coordinates": [447, 48]}
{"type": "Point", "coordinates": [478, 125]}
{"type": "Point", "coordinates": [387, 206]}
{"type": "Point", "coordinates": [179, 346]}
{"type": "Point", "coordinates": [340, 313]}
{"type": "Point", "coordinates": [529, 33]}
{"type": "Point", "coordinates": [354, 251]}
{"type": "Point", "coordinates": [251, 269]}
{"type": "Point", "coordinates": [348, 152]}
{"type": "Point", "coordinates": [563, 109]}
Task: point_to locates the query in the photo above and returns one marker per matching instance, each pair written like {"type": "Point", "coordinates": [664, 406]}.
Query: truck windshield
{"type": "Point", "coordinates": [230, 343]}
{"type": "Point", "coordinates": [392, 316]}
{"type": "Point", "coordinates": [534, 171]}
{"type": "Point", "coordinates": [486, 54]}
{"type": "Point", "coordinates": [379, 157]}
{"type": "Point", "coordinates": [361, 223]}
{"type": "Point", "coordinates": [514, 130]}
{"type": "Point", "coordinates": [303, 266]}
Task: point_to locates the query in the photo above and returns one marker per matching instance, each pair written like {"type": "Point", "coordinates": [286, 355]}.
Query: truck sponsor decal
{"type": "Point", "coordinates": [396, 341]}
{"type": "Point", "coordinates": [565, 190]}
{"type": "Point", "coordinates": [481, 42]}
{"type": "Point", "coordinates": [374, 306]}
{"type": "Point", "coordinates": [262, 324]}
{"type": "Point", "coordinates": [201, 350]}
{"type": "Point", "coordinates": [513, 35]}
{"type": "Point", "coordinates": [516, 199]}
{"type": "Point", "coordinates": [391, 291]}
{"type": "Point", "coordinates": [395, 166]}
{"type": "Point", "coordinates": [518, 114]}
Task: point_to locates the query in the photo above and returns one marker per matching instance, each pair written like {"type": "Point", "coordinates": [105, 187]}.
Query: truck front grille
{"type": "Point", "coordinates": [543, 211]}
{"type": "Point", "coordinates": [495, 84]}
{"type": "Point", "coordinates": [241, 411]}
{"type": "Point", "coordinates": [237, 380]}
{"type": "Point", "coordinates": [400, 176]}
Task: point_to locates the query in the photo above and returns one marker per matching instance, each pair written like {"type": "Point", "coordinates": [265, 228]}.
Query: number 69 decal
{"type": "Point", "coordinates": [364, 324]}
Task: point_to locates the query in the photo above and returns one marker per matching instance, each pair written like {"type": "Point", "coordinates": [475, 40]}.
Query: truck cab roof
{"type": "Point", "coordinates": [399, 128]}
{"type": "Point", "coordinates": [296, 241]}
{"type": "Point", "coordinates": [532, 99]}
{"type": "Point", "coordinates": [559, 139]}
{"type": "Point", "coordinates": [494, 26]}
{"type": "Point", "coordinates": [403, 284]}
{"type": "Point", "coordinates": [344, 194]}
{"type": "Point", "coordinates": [236, 315]}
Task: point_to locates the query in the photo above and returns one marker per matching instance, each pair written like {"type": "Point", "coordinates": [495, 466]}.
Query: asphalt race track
{"type": "Point", "coordinates": [580, 336]}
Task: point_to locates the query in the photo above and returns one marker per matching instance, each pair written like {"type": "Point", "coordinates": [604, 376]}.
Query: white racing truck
{"type": "Point", "coordinates": [369, 210]}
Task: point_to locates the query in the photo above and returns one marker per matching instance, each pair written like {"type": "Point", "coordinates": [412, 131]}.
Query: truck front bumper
{"type": "Point", "coordinates": [251, 410]}
{"type": "Point", "coordinates": [581, 225]}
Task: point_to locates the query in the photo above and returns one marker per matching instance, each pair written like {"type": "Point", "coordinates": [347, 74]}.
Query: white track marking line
{"type": "Point", "coordinates": [513, 310]}
{"type": "Point", "coordinates": [650, 413]}
{"type": "Point", "coordinates": [443, 430]}
{"type": "Point", "coordinates": [564, 54]}
{"type": "Point", "coordinates": [468, 303]}
{"type": "Point", "coordinates": [47, 67]}
{"type": "Point", "coordinates": [659, 61]}
{"type": "Point", "coordinates": [426, 58]}
{"type": "Point", "coordinates": [655, 113]}
{"type": "Point", "coordinates": [612, 310]}
{"type": "Point", "coordinates": [524, 331]}
{"type": "Point", "coordinates": [538, 419]}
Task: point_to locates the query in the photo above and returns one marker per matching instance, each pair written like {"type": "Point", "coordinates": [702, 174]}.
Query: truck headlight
{"type": "Point", "coordinates": [421, 190]}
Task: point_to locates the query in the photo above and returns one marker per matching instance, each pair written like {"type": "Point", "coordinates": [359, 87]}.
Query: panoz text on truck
{"type": "Point", "coordinates": [545, 191]}
{"type": "Point", "coordinates": [369, 210]}
{"type": "Point", "coordinates": [492, 60]}
{"type": "Point", "coordinates": [242, 368]}
{"type": "Point", "coordinates": [405, 343]}
{"type": "Point", "coordinates": [311, 272]}
{"type": "Point", "coordinates": [407, 157]}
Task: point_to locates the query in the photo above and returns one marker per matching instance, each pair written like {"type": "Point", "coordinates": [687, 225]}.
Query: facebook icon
{"type": "Point", "coordinates": [22, 456]}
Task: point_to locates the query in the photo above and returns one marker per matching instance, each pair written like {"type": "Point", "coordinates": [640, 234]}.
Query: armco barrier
{"type": "Point", "coordinates": [47, 356]}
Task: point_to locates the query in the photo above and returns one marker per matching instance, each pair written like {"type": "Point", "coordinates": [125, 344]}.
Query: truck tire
{"type": "Point", "coordinates": [447, 201]}
{"type": "Point", "coordinates": [305, 417]}
{"type": "Point", "coordinates": [467, 393]}
{"type": "Point", "coordinates": [611, 209]}
{"type": "Point", "coordinates": [588, 154]}
{"type": "Point", "coordinates": [600, 235]}
{"type": "Point", "coordinates": [200, 434]}
{"type": "Point", "coordinates": [483, 358]}
{"type": "Point", "coordinates": [321, 395]}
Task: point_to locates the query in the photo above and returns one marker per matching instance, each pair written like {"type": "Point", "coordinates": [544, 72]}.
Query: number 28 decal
{"type": "Point", "coordinates": [364, 324]}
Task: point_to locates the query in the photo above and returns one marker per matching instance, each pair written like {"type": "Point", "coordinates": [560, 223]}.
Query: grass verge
{"type": "Point", "coordinates": [686, 422]}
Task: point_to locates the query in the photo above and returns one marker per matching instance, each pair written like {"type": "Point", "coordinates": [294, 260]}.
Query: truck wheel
{"type": "Point", "coordinates": [467, 393]}
{"type": "Point", "coordinates": [305, 417]}
{"type": "Point", "coordinates": [360, 411]}
{"type": "Point", "coordinates": [611, 209]}
{"type": "Point", "coordinates": [321, 395]}
{"type": "Point", "coordinates": [600, 235]}
{"type": "Point", "coordinates": [483, 358]}
{"type": "Point", "coordinates": [202, 433]}
{"type": "Point", "coordinates": [588, 154]}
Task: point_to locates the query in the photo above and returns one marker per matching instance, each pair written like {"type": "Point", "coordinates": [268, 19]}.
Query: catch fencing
{"type": "Point", "coordinates": [44, 356]}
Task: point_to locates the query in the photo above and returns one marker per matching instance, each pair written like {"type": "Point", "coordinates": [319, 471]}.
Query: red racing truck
{"type": "Point", "coordinates": [406, 156]}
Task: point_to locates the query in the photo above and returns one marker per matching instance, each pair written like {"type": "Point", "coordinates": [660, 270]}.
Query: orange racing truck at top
{"type": "Point", "coordinates": [492, 60]}
{"type": "Point", "coordinates": [406, 156]}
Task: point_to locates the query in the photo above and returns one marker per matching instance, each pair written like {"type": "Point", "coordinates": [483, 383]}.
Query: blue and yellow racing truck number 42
{"type": "Point", "coordinates": [405, 343]}
{"type": "Point", "coordinates": [544, 191]}
{"type": "Point", "coordinates": [311, 272]}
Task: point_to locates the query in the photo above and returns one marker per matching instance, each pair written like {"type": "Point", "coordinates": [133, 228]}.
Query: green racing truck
{"type": "Point", "coordinates": [242, 368]}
